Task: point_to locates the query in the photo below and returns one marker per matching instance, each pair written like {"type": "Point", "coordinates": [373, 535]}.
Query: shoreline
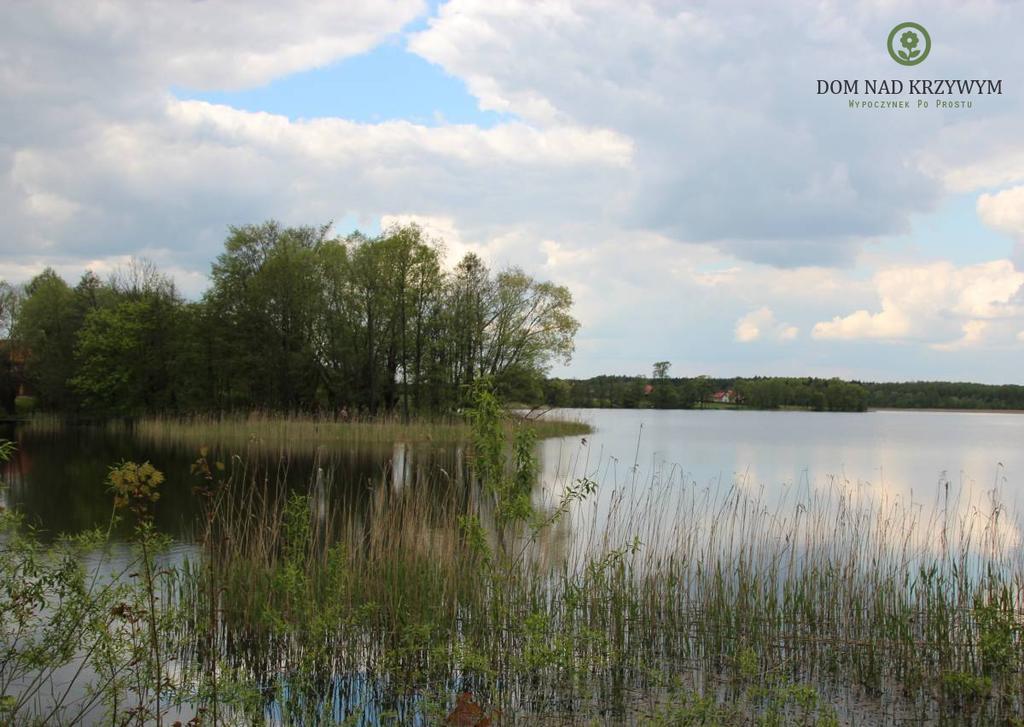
{"type": "Point", "coordinates": [731, 407]}
{"type": "Point", "coordinates": [946, 409]}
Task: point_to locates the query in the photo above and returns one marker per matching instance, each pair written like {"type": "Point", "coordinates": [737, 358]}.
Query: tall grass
{"type": "Point", "coordinates": [650, 600]}
{"type": "Point", "coordinates": [656, 601]}
{"type": "Point", "coordinates": [42, 423]}
{"type": "Point", "coordinates": [278, 432]}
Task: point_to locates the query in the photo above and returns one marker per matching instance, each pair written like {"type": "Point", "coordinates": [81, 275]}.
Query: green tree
{"type": "Point", "coordinates": [10, 302]}
{"type": "Point", "coordinates": [558, 392]}
{"type": "Point", "coordinates": [45, 331]}
{"type": "Point", "coordinates": [266, 295]}
{"type": "Point", "coordinates": [124, 358]}
{"type": "Point", "coordinates": [296, 320]}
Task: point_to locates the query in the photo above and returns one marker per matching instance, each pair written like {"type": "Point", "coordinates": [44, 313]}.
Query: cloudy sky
{"type": "Point", "coordinates": [670, 162]}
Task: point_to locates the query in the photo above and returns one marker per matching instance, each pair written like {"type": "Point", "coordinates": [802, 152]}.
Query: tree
{"type": "Point", "coordinates": [557, 392]}
{"type": "Point", "coordinates": [266, 295]}
{"type": "Point", "coordinates": [10, 302]}
{"type": "Point", "coordinates": [661, 369]}
{"type": "Point", "coordinates": [45, 331]}
{"type": "Point", "coordinates": [531, 325]}
{"type": "Point", "coordinates": [296, 320]}
{"type": "Point", "coordinates": [126, 352]}
{"type": "Point", "coordinates": [470, 312]}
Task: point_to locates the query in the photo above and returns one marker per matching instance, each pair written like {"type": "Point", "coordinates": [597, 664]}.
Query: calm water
{"type": "Point", "coordinates": [58, 480]}
{"type": "Point", "coordinates": [897, 452]}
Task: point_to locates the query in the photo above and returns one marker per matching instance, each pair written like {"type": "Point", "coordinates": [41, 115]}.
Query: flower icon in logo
{"type": "Point", "coordinates": [909, 40]}
{"type": "Point", "coordinates": [909, 44]}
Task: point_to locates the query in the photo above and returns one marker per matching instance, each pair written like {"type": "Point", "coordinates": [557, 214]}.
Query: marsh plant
{"type": "Point", "coordinates": [306, 433]}
{"type": "Point", "coordinates": [492, 602]}
{"type": "Point", "coordinates": [81, 633]}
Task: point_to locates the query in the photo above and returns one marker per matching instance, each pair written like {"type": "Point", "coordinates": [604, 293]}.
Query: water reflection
{"type": "Point", "coordinates": [58, 479]}
{"type": "Point", "coordinates": [948, 465]}
{"type": "Point", "coordinates": [699, 484]}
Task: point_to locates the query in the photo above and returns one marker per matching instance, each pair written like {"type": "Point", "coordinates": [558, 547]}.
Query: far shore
{"type": "Point", "coordinates": [947, 409]}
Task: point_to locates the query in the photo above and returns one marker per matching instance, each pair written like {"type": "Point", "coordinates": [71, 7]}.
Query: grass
{"type": "Point", "coordinates": [721, 601]}
{"type": "Point", "coordinates": [644, 601]}
{"type": "Point", "coordinates": [307, 433]}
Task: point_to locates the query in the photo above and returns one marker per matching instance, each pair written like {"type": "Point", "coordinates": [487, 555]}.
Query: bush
{"type": "Point", "coordinates": [24, 404]}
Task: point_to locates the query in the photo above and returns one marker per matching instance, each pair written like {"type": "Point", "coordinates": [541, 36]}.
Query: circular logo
{"type": "Point", "coordinates": [909, 44]}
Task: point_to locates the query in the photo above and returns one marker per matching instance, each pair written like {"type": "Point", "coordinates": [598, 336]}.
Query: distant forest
{"type": "Point", "coordinates": [663, 392]}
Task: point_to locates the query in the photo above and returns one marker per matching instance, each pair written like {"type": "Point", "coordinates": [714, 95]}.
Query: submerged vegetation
{"type": "Point", "coordinates": [653, 602]}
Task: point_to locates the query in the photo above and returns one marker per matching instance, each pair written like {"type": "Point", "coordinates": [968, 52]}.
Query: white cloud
{"type": "Point", "coordinates": [1004, 211]}
{"type": "Point", "coordinates": [748, 328]}
{"type": "Point", "coordinates": [925, 302]}
{"type": "Point", "coordinates": [862, 324]}
{"type": "Point", "coordinates": [980, 150]}
{"type": "Point", "coordinates": [177, 179]}
{"type": "Point", "coordinates": [225, 44]}
{"type": "Point", "coordinates": [642, 116]}
{"type": "Point", "coordinates": [761, 323]}
{"type": "Point", "coordinates": [735, 148]}
{"type": "Point", "coordinates": [973, 334]}
{"type": "Point", "coordinates": [635, 127]}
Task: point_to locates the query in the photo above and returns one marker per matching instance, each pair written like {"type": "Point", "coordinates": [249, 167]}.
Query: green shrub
{"type": "Point", "coordinates": [24, 405]}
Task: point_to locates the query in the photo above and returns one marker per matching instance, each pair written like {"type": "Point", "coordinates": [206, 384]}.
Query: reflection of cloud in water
{"type": "Point", "coordinates": [887, 471]}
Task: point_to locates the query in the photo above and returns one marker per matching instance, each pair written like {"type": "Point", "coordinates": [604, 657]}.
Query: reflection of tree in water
{"type": "Point", "coordinates": [432, 484]}
{"type": "Point", "coordinates": [57, 478]}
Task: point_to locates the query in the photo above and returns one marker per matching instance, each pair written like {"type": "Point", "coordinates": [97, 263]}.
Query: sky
{"type": "Point", "coordinates": [671, 163]}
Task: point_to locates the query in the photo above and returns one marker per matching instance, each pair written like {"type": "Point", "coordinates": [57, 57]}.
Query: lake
{"type": "Point", "coordinates": [57, 478]}
{"type": "Point", "coordinates": [770, 556]}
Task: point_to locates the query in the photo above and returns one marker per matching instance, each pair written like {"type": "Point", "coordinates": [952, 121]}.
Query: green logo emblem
{"type": "Point", "coordinates": [909, 44]}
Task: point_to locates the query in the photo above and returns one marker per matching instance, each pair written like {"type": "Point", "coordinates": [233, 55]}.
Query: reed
{"type": "Point", "coordinates": [652, 601]}
{"type": "Point", "coordinates": [42, 423]}
{"type": "Point", "coordinates": [278, 432]}
{"type": "Point", "coordinates": [588, 600]}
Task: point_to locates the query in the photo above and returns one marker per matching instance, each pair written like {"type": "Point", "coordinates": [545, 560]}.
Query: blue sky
{"type": "Point", "coordinates": [674, 166]}
{"type": "Point", "coordinates": [387, 83]}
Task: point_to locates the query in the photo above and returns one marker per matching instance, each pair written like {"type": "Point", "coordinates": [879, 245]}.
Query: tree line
{"type": "Point", "coordinates": [293, 320]}
{"type": "Point", "coordinates": [659, 391]}
{"type": "Point", "coordinates": [638, 392]}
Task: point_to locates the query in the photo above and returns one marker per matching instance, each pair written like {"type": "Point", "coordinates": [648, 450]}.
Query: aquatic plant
{"type": "Point", "coordinates": [652, 601]}
{"type": "Point", "coordinates": [277, 432]}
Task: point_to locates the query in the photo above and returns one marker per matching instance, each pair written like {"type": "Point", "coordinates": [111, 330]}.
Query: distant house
{"type": "Point", "coordinates": [648, 389]}
{"type": "Point", "coordinates": [724, 397]}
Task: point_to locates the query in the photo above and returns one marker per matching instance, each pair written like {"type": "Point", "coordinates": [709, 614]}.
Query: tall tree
{"type": "Point", "coordinates": [296, 320]}
{"type": "Point", "coordinates": [45, 331]}
{"type": "Point", "coordinates": [531, 326]}
{"type": "Point", "coordinates": [267, 292]}
{"type": "Point", "coordinates": [10, 369]}
{"type": "Point", "coordinates": [127, 347]}
{"type": "Point", "coordinates": [10, 301]}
